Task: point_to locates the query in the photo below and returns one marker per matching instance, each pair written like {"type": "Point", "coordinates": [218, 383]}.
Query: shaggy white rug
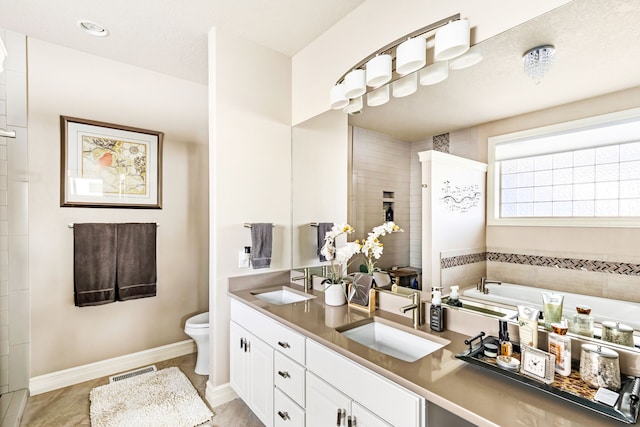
{"type": "Point", "coordinates": [162, 398]}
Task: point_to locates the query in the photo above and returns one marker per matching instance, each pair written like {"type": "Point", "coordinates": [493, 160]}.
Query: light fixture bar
{"type": "Point", "coordinates": [389, 47]}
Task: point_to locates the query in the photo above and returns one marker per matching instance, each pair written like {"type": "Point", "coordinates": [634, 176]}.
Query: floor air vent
{"type": "Point", "coordinates": [130, 374]}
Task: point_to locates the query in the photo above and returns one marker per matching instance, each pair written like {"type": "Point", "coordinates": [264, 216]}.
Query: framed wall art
{"type": "Point", "coordinates": [110, 166]}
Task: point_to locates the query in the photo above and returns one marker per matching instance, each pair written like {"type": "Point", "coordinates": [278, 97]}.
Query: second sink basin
{"type": "Point", "coordinates": [281, 296]}
{"type": "Point", "coordinates": [392, 340]}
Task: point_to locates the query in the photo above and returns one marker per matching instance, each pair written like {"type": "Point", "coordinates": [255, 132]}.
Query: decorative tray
{"type": "Point", "coordinates": [571, 388]}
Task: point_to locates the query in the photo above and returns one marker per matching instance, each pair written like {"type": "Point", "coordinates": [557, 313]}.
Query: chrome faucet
{"type": "Point", "coordinates": [482, 286]}
{"type": "Point", "coordinates": [415, 307]}
{"type": "Point", "coordinates": [307, 278]}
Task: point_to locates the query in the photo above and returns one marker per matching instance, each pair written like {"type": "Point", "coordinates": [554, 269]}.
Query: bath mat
{"type": "Point", "coordinates": [158, 399]}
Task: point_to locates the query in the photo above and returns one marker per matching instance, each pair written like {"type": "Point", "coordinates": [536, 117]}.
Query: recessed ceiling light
{"type": "Point", "coordinates": [93, 28]}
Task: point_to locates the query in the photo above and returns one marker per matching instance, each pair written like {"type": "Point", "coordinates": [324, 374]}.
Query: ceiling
{"type": "Point", "coordinates": [596, 53]}
{"type": "Point", "coordinates": [170, 36]}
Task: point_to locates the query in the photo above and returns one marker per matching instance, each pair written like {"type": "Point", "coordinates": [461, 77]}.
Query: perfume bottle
{"type": "Point", "coordinates": [506, 348]}
{"type": "Point", "coordinates": [560, 345]}
{"type": "Point", "coordinates": [582, 322]}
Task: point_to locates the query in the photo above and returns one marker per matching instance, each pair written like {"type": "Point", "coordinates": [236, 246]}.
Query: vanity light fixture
{"type": "Point", "coordinates": [3, 55]}
{"type": "Point", "coordinates": [468, 59]}
{"type": "Point", "coordinates": [409, 52]}
{"type": "Point", "coordinates": [354, 106]}
{"type": "Point", "coordinates": [93, 28]}
{"type": "Point", "coordinates": [434, 73]}
{"type": "Point", "coordinates": [538, 61]}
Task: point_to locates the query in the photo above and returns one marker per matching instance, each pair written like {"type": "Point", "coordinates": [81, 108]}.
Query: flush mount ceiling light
{"type": "Point", "coordinates": [538, 61]}
{"type": "Point", "coordinates": [410, 55]}
{"type": "Point", "coordinates": [93, 28]}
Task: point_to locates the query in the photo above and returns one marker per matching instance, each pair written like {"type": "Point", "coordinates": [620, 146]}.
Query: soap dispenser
{"type": "Point", "coordinates": [436, 312]}
{"type": "Point", "coordinates": [454, 297]}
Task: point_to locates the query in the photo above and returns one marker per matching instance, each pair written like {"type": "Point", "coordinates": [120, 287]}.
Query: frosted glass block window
{"type": "Point", "coordinates": [595, 182]}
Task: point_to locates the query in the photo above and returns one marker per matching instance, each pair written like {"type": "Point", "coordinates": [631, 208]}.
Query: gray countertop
{"type": "Point", "coordinates": [480, 397]}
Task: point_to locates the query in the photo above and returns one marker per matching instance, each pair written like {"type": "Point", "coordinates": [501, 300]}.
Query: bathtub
{"type": "Point", "coordinates": [601, 308]}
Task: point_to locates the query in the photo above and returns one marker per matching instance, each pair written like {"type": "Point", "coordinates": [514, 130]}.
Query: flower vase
{"type": "Point", "coordinates": [334, 294]}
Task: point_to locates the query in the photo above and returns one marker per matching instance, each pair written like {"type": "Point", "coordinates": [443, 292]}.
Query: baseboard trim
{"type": "Point", "coordinates": [219, 395]}
{"type": "Point", "coordinates": [103, 368]}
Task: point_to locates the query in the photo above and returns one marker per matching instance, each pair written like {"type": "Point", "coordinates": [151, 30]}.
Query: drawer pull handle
{"type": "Point", "coordinates": [284, 374]}
{"type": "Point", "coordinates": [284, 344]}
{"type": "Point", "coordinates": [284, 415]}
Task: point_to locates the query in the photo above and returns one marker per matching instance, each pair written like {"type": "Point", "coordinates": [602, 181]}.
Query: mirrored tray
{"type": "Point", "coordinates": [571, 388]}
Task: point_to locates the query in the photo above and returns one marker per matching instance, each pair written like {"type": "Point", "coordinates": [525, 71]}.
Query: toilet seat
{"type": "Point", "coordinates": [199, 321]}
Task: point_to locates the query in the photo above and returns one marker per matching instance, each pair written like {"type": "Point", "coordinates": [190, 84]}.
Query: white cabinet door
{"type": "Point", "coordinates": [238, 363]}
{"type": "Point", "coordinates": [252, 372]}
{"type": "Point", "coordinates": [326, 406]}
{"type": "Point", "coordinates": [362, 417]}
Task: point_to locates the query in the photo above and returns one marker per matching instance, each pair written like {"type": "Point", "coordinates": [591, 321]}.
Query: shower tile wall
{"type": "Point", "coordinates": [14, 280]}
{"type": "Point", "coordinates": [381, 163]}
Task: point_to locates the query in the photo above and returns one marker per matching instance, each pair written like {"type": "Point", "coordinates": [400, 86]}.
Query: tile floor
{"type": "Point", "coordinates": [69, 406]}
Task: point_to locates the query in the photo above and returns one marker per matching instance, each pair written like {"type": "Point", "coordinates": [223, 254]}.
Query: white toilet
{"type": "Point", "coordinates": [197, 327]}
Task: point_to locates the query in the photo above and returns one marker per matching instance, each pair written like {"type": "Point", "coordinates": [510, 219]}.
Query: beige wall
{"type": "Point", "coordinates": [68, 82]}
{"type": "Point", "coordinates": [376, 23]}
{"type": "Point", "coordinates": [250, 163]}
{"type": "Point", "coordinates": [613, 244]}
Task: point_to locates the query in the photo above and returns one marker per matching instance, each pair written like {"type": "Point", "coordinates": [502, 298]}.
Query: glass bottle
{"type": "Point", "coordinates": [560, 345]}
{"type": "Point", "coordinates": [582, 322]}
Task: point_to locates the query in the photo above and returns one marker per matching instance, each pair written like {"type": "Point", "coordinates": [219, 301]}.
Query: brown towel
{"type": "Point", "coordinates": [136, 264]}
{"type": "Point", "coordinates": [94, 265]}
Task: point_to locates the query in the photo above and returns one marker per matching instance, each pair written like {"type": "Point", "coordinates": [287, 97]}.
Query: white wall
{"type": "Point", "coordinates": [250, 168]}
{"type": "Point", "coordinates": [376, 23]}
{"type": "Point", "coordinates": [68, 82]}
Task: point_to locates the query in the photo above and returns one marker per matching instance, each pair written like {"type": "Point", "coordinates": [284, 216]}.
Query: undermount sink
{"type": "Point", "coordinates": [392, 340]}
{"type": "Point", "coordinates": [281, 296]}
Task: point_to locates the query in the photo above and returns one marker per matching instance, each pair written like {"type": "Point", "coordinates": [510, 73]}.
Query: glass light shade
{"type": "Point", "coordinates": [338, 98]}
{"type": "Point", "coordinates": [354, 106]}
{"type": "Point", "coordinates": [354, 84]}
{"type": "Point", "coordinates": [379, 70]}
{"type": "Point", "coordinates": [405, 86]}
{"type": "Point", "coordinates": [452, 40]}
{"type": "Point", "coordinates": [469, 59]}
{"type": "Point", "coordinates": [411, 55]}
{"type": "Point", "coordinates": [378, 96]}
{"type": "Point", "coordinates": [434, 73]}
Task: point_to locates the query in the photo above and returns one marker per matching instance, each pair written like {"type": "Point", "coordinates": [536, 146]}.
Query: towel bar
{"type": "Point", "coordinates": [314, 224]}
{"type": "Point", "coordinates": [8, 133]}
{"type": "Point", "coordinates": [248, 225]}
{"type": "Point", "coordinates": [71, 225]}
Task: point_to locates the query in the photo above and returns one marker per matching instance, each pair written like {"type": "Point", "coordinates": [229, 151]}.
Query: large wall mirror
{"type": "Point", "coordinates": [596, 54]}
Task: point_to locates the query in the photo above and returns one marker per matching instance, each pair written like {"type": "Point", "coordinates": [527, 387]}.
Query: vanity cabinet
{"type": "Point", "coordinates": [251, 372]}
{"type": "Point", "coordinates": [374, 398]}
{"type": "Point", "coordinates": [326, 406]}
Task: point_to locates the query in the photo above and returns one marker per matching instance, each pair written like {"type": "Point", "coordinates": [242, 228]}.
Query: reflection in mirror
{"type": "Point", "coordinates": [596, 56]}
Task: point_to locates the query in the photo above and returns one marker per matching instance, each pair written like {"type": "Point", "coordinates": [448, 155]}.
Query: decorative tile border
{"type": "Point", "coordinates": [456, 261]}
{"type": "Point", "coordinates": [595, 266]}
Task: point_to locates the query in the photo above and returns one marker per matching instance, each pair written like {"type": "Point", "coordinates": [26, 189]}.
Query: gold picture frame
{"type": "Point", "coordinates": [109, 166]}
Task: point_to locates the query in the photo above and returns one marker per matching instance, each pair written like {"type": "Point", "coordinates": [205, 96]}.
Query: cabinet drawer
{"type": "Point", "coordinates": [286, 412]}
{"type": "Point", "coordinates": [288, 376]}
{"type": "Point", "coordinates": [272, 332]}
{"type": "Point", "coordinates": [391, 402]}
